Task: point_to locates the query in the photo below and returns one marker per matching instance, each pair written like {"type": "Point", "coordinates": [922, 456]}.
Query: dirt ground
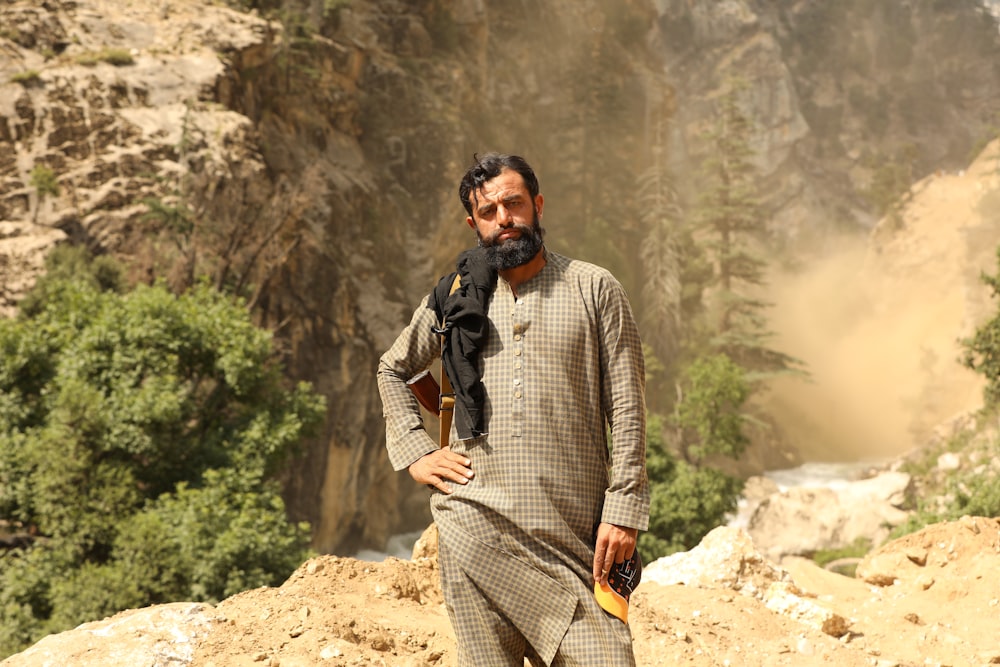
{"type": "Point", "coordinates": [937, 602]}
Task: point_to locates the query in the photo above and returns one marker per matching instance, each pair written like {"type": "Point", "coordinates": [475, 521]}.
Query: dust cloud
{"type": "Point", "coordinates": [881, 349]}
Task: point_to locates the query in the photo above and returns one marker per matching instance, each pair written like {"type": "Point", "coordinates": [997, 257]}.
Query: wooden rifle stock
{"type": "Point", "coordinates": [439, 400]}
{"type": "Point", "coordinates": [427, 391]}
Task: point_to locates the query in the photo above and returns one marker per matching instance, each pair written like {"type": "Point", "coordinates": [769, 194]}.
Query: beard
{"type": "Point", "coordinates": [502, 255]}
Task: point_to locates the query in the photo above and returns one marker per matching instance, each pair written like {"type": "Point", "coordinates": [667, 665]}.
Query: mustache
{"type": "Point", "coordinates": [524, 230]}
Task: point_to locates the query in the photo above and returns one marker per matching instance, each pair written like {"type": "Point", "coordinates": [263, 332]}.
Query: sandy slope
{"type": "Point", "coordinates": [339, 611]}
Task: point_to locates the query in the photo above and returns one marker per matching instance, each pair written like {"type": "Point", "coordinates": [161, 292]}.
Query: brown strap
{"type": "Point", "coordinates": [446, 400]}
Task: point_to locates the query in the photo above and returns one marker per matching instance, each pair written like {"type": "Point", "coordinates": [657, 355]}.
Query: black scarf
{"type": "Point", "coordinates": [465, 329]}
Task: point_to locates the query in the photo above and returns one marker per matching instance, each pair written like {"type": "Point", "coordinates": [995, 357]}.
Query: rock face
{"type": "Point", "coordinates": [149, 118]}
{"type": "Point", "coordinates": [884, 350]}
{"type": "Point", "coordinates": [923, 270]}
{"type": "Point", "coordinates": [311, 166]}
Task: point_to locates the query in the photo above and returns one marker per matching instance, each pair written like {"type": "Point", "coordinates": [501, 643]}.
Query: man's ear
{"type": "Point", "coordinates": [469, 221]}
{"type": "Point", "coordinates": [539, 204]}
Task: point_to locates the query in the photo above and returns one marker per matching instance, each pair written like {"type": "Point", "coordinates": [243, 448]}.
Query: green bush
{"type": "Point", "coordinates": [116, 57]}
{"type": "Point", "coordinates": [857, 549]}
{"type": "Point", "coordinates": [44, 180]}
{"type": "Point", "coordinates": [139, 434]}
{"type": "Point", "coordinates": [27, 77]}
{"type": "Point", "coordinates": [715, 389]}
{"type": "Point", "coordinates": [966, 493]}
{"type": "Point", "coordinates": [686, 501]}
{"type": "Point", "coordinates": [688, 498]}
{"type": "Point", "coordinates": [982, 350]}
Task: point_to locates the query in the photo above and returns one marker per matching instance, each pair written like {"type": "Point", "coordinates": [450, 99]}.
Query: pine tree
{"type": "Point", "coordinates": [661, 259]}
{"type": "Point", "coordinates": [730, 226]}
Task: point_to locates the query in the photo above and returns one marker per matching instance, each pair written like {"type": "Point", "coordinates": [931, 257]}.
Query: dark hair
{"type": "Point", "coordinates": [488, 167]}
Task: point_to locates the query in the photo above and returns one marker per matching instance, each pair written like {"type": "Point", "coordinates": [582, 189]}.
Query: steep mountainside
{"type": "Point", "coordinates": [881, 323]}
{"type": "Point", "coordinates": [311, 164]}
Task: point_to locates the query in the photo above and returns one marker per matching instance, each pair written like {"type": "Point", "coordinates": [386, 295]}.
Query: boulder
{"type": "Point", "coordinates": [804, 520]}
{"type": "Point", "coordinates": [157, 636]}
{"type": "Point", "coordinates": [917, 560]}
{"type": "Point", "coordinates": [726, 558]}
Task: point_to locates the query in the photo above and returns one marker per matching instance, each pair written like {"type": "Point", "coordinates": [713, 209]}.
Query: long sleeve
{"type": "Point", "coordinates": [414, 350]}
{"type": "Point", "coordinates": [623, 401]}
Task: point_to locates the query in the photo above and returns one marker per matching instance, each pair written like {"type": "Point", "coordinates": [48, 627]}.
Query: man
{"type": "Point", "coordinates": [530, 506]}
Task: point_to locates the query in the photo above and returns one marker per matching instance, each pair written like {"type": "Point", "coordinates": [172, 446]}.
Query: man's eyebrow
{"type": "Point", "coordinates": [486, 206]}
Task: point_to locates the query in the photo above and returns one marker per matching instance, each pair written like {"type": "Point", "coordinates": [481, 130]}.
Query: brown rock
{"type": "Point", "coordinates": [797, 615]}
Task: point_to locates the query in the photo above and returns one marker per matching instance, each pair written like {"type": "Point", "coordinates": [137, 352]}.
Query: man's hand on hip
{"type": "Point", "coordinates": [443, 465]}
{"type": "Point", "coordinates": [615, 544]}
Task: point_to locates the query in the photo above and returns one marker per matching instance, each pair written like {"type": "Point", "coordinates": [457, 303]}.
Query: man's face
{"type": "Point", "coordinates": [507, 220]}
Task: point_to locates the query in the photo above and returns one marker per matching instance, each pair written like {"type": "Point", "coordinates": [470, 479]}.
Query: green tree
{"type": "Point", "coordinates": [982, 350]}
{"type": "Point", "coordinates": [702, 273]}
{"type": "Point", "coordinates": [686, 500]}
{"type": "Point", "coordinates": [44, 180]}
{"type": "Point", "coordinates": [140, 434]}
{"type": "Point", "coordinates": [709, 412]}
{"type": "Point", "coordinates": [661, 257]}
{"type": "Point", "coordinates": [889, 189]}
{"type": "Point", "coordinates": [688, 497]}
{"type": "Point", "coordinates": [730, 227]}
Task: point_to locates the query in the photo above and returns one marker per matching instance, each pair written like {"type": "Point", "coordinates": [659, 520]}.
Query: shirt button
{"type": "Point", "coordinates": [517, 353]}
{"type": "Point", "coordinates": [517, 366]}
{"type": "Point", "coordinates": [517, 394]}
{"type": "Point", "coordinates": [517, 336]}
{"type": "Point", "coordinates": [517, 381]}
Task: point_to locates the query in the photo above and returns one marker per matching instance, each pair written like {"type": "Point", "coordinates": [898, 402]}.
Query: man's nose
{"type": "Point", "coordinates": [504, 218]}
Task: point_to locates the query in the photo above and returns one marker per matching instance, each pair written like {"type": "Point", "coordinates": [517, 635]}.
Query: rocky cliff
{"type": "Point", "coordinates": [309, 163]}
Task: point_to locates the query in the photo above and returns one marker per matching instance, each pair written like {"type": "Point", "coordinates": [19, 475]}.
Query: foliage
{"type": "Point", "coordinates": [27, 77]}
{"type": "Point", "coordinates": [43, 179]}
{"type": "Point", "coordinates": [890, 183]}
{"type": "Point", "coordinates": [116, 57]}
{"type": "Point", "coordinates": [597, 174]}
{"type": "Point", "coordinates": [710, 329]}
{"type": "Point", "coordinates": [138, 432]}
{"type": "Point", "coordinates": [708, 413]}
{"type": "Point", "coordinates": [948, 495]}
{"type": "Point", "coordinates": [686, 501]}
{"type": "Point", "coordinates": [178, 219]}
{"type": "Point", "coordinates": [661, 255]}
{"type": "Point", "coordinates": [69, 263]}
{"type": "Point", "coordinates": [728, 211]}
{"type": "Point", "coordinates": [729, 226]}
{"type": "Point", "coordinates": [856, 549]}
{"type": "Point", "coordinates": [982, 351]}
{"type": "Point", "coordinates": [964, 494]}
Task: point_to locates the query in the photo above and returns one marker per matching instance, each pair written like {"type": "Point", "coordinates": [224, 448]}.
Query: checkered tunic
{"type": "Point", "coordinates": [562, 363]}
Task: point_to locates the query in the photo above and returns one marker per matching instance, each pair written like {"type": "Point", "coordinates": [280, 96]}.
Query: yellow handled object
{"type": "Point", "coordinates": [622, 580]}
